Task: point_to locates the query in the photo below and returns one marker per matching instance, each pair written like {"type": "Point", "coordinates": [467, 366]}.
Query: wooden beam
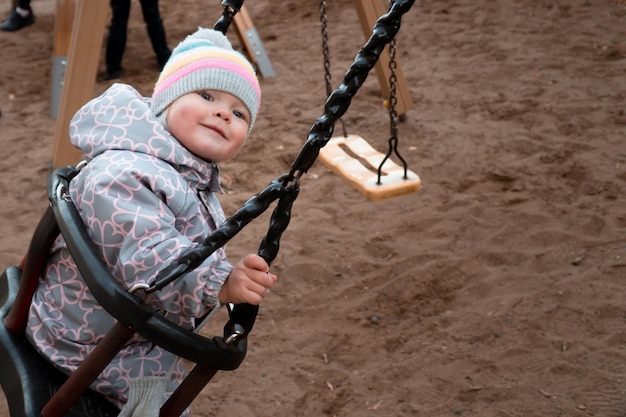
{"type": "Point", "coordinates": [64, 18]}
{"type": "Point", "coordinates": [80, 77]}
{"type": "Point", "coordinates": [251, 42]}
{"type": "Point", "coordinates": [369, 11]}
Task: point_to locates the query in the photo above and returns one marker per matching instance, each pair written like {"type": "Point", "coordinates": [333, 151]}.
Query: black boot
{"type": "Point", "coordinates": [16, 21]}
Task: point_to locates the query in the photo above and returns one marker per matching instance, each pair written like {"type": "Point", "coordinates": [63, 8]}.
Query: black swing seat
{"type": "Point", "coordinates": [27, 378]}
{"type": "Point", "coordinates": [32, 384]}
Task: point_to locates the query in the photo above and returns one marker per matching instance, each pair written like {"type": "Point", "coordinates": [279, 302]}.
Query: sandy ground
{"type": "Point", "coordinates": [497, 290]}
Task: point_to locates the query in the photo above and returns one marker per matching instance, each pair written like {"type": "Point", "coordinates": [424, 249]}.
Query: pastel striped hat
{"type": "Point", "coordinates": [206, 60]}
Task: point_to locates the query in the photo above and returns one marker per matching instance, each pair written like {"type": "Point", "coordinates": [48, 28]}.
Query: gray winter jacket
{"type": "Point", "coordinates": [144, 199]}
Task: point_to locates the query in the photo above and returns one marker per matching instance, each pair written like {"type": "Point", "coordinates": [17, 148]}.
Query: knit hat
{"type": "Point", "coordinates": [206, 60]}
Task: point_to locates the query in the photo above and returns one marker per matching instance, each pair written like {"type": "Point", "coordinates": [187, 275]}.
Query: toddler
{"type": "Point", "coordinates": [147, 194]}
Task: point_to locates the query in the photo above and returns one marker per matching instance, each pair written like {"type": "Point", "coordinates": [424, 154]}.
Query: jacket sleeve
{"type": "Point", "coordinates": [143, 223]}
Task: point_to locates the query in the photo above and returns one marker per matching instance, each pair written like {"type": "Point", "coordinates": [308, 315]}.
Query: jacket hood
{"type": "Point", "coordinates": [121, 119]}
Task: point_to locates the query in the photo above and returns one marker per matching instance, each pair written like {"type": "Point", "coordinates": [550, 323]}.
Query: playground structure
{"type": "Point", "coordinates": [34, 389]}
{"type": "Point", "coordinates": [79, 30]}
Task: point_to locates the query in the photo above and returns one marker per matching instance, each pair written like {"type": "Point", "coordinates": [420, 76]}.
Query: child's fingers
{"type": "Point", "coordinates": [265, 279]}
{"type": "Point", "coordinates": [254, 293]}
{"type": "Point", "coordinates": [254, 261]}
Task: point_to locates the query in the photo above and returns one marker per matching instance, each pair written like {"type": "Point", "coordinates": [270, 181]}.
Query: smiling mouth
{"type": "Point", "coordinates": [216, 129]}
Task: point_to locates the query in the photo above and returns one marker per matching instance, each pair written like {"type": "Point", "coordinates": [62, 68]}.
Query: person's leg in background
{"type": "Point", "coordinates": [19, 18]}
{"type": "Point", "coordinates": [116, 39]}
{"type": "Point", "coordinates": [156, 31]}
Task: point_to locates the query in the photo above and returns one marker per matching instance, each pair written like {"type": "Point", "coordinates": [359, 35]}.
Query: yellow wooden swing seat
{"type": "Point", "coordinates": [356, 161]}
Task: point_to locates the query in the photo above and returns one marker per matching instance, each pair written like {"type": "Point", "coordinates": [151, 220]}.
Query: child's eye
{"type": "Point", "coordinates": [206, 96]}
{"type": "Point", "coordinates": [238, 114]}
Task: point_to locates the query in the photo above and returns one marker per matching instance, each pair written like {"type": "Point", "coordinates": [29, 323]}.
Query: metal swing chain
{"type": "Point", "coordinates": [231, 8]}
{"type": "Point", "coordinates": [393, 114]}
{"type": "Point", "coordinates": [253, 208]}
{"type": "Point", "coordinates": [326, 52]}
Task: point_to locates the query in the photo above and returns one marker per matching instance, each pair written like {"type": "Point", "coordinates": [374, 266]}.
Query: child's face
{"type": "Point", "coordinates": [212, 124]}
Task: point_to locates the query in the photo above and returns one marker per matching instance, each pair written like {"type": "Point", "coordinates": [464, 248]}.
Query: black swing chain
{"type": "Point", "coordinates": [326, 52]}
{"type": "Point", "coordinates": [231, 8]}
{"type": "Point", "coordinates": [286, 187]}
{"type": "Point", "coordinates": [393, 86]}
{"type": "Point", "coordinates": [393, 114]}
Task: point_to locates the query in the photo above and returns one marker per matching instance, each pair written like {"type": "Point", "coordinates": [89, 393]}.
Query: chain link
{"type": "Point", "coordinates": [231, 8]}
{"type": "Point", "coordinates": [393, 85]}
{"type": "Point", "coordinates": [326, 52]}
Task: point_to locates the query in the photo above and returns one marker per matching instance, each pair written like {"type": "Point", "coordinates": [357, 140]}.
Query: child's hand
{"type": "Point", "coordinates": [248, 282]}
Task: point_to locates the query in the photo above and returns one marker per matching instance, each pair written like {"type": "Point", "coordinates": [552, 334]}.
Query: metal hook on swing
{"type": "Point", "coordinates": [393, 116]}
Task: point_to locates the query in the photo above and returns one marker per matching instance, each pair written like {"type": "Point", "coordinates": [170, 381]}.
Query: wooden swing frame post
{"type": "Point", "coordinates": [369, 11]}
{"type": "Point", "coordinates": [87, 31]}
{"type": "Point", "coordinates": [62, 38]}
{"type": "Point", "coordinates": [251, 42]}
{"type": "Point", "coordinates": [64, 19]}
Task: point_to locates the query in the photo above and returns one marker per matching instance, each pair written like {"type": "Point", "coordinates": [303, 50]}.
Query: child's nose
{"type": "Point", "coordinates": [222, 113]}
